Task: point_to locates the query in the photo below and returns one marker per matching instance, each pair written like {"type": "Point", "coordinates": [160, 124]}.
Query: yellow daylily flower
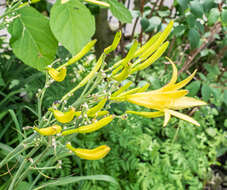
{"type": "Point", "coordinates": [168, 98]}
{"type": "Point", "coordinates": [57, 75]}
{"type": "Point", "coordinates": [64, 117]}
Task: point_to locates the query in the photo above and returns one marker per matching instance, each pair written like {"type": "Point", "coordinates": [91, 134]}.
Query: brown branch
{"type": "Point", "coordinates": [141, 12]}
{"type": "Point", "coordinates": [153, 8]}
{"type": "Point", "coordinates": [134, 27]}
{"type": "Point", "coordinates": [214, 30]}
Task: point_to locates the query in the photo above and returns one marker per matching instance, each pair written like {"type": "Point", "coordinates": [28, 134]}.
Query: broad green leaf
{"type": "Point", "coordinates": [196, 8]}
{"type": "Point", "coordinates": [193, 88]}
{"type": "Point", "coordinates": [31, 38]}
{"type": "Point", "coordinates": [154, 22]}
{"type": "Point", "coordinates": [120, 11]}
{"type": "Point", "coordinates": [68, 180]}
{"type": "Point", "coordinates": [212, 69]}
{"type": "Point", "coordinates": [211, 131]}
{"type": "Point", "coordinates": [191, 19]}
{"type": "Point", "coordinates": [72, 24]}
{"type": "Point", "coordinates": [164, 13]}
{"type": "Point", "coordinates": [183, 4]}
{"type": "Point", "coordinates": [207, 5]}
{"type": "Point", "coordinates": [213, 16]}
{"type": "Point", "coordinates": [194, 38]}
{"type": "Point", "coordinates": [224, 17]}
{"type": "Point", "coordinates": [144, 23]}
{"type": "Point", "coordinates": [179, 30]}
{"type": "Point", "coordinates": [206, 92]}
{"type": "Point", "coordinates": [199, 26]}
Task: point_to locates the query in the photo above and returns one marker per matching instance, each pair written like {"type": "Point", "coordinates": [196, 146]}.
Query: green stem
{"type": "Point", "coordinates": [176, 134]}
{"type": "Point", "coordinates": [25, 144]}
{"type": "Point", "coordinates": [11, 9]}
{"type": "Point", "coordinates": [11, 187]}
{"type": "Point", "coordinates": [49, 162]}
{"type": "Point", "coordinates": [39, 158]}
{"type": "Point", "coordinates": [40, 99]}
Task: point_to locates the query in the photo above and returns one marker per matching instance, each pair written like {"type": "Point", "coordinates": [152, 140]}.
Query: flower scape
{"type": "Point", "coordinates": [166, 101]}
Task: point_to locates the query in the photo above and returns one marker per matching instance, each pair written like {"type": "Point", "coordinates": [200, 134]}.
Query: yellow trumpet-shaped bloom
{"type": "Point", "coordinates": [57, 75]}
{"type": "Point", "coordinates": [64, 117]}
{"type": "Point", "coordinates": [168, 98]}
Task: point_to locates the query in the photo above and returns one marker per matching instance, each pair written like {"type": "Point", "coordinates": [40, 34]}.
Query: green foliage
{"type": "Point", "coordinates": [120, 11]}
{"type": "Point", "coordinates": [72, 24]}
{"type": "Point", "coordinates": [144, 155]}
{"type": "Point", "coordinates": [31, 38]}
{"type": "Point", "coordinates": [147, 156]}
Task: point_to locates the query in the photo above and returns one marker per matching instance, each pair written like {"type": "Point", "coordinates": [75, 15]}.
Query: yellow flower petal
{"type": "Point", "coordinates": [173, 79]}
{"type": "Point", "coordinates": [166, 118]}
{"type": "Point", "coordinates": [154, 99]}
{"type": "Point", "coordinates": [183, 116]}
{"type": "Point", "coordinates": [185, 102]}
{"type": "Point", "coordinates": [63, 117]}
{"type": "Point", "coordinates": [146, 114]}
{"type": "Point", "coordinates": [184, 82]}
{"type": "Point", "coordinates": [57, 75]}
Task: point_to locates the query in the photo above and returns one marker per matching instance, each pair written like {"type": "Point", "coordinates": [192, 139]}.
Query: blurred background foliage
{"type": "Point", "coordinates": [144, 155]}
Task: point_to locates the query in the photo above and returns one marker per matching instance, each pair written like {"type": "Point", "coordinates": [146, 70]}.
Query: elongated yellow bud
{"type": "Point", "coordinates": [127, 59]}
{"type": "Point", "coordinates": [90, 128]}
{"type": "Point", "coordinates": [78, 113]}
{"type": "Point", "coordinates": [152, 59]}
{"type": "Point", "coordinates": [104, 4]}
{"type": "Point", "coordinates": [48, 131]}
{"type": "Point", "coordinates": [130, 54]}
{"type": "Point", "coordinates": [147, 45]}
{"type": "Point", "coordinates": [78, 56]}
{"type": "Point", "coordinates": [88, 77]}
{"type": "Point", "coordinates": [57, 75]}
{"type": "Point", "coordinates": [123, 74]}
{"type": "Point", "coordinates": [158, 42]}
{"type": "Point", "coordinates": [90, 154]}
{"type": "Point", "coordinates": [122, 96]}
{"type": "Point", "coordinates": [63, 117]}
{"type": "Point", "coordinates": [122, 89]}
{"type": "Point", "coordinates": [27, 3]}
{"type": "Point", "coordinates": [146, 114]}
{"type": "Point", "coordinates": [143, 88]}
{"type": "Point", "coordinates": [115, 71]}
{"type": "Point", "coordinates": [101, 113]}
{"type": "Point", "coordinates": [113, 46]}
{"type": "Point", "coordinates": [92, 111]}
